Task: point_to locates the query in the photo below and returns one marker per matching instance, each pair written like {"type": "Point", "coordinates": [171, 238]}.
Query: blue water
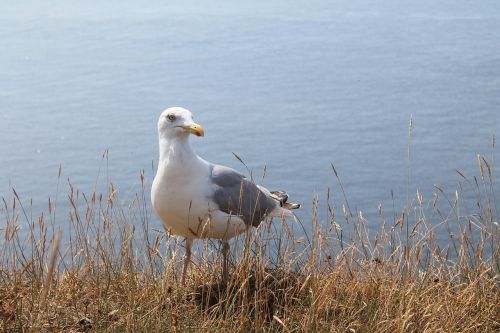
{"type": "Point", "coordinates": [292, 86]}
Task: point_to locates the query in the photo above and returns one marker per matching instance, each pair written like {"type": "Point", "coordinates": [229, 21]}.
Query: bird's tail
{"type": "Point", "coordinates": [285, 208]}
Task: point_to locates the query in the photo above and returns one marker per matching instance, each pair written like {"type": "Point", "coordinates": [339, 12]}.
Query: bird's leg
{"type": "Point", "coordinates": [187, 259]}
{"type": "Point", "coordinates": [225, 254]}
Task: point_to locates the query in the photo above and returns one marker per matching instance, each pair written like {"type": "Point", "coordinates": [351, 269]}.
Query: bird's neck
{"type": "Point", "coordinates": [176, 151]}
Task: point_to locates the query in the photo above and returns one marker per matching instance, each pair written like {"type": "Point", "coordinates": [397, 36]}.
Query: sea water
{"type": "Point", "coordinates": [290, 87]}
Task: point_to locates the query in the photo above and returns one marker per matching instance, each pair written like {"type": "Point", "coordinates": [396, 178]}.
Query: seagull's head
{"type": "Point", "coordinates": [178, 122]}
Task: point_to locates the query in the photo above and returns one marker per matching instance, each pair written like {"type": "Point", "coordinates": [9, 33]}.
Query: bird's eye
{"type": "Point", "coordinates": [171, 117]}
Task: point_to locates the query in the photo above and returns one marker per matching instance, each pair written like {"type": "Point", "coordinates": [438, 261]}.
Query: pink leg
{"type": "Point", "coordinates": [187, 259]}
{"type": "Point", "coordinates": [225, 254]}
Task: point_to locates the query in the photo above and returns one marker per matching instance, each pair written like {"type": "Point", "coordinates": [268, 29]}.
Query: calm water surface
{"type": "Point", "coordinates": [290, 86]}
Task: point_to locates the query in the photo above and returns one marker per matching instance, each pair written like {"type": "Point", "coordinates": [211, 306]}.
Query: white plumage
{"type": "Point", "coordinates": [198, 199]}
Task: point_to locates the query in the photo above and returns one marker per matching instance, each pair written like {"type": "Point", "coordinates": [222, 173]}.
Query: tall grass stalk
{"type": "Point", "coordinates": [113, 271]}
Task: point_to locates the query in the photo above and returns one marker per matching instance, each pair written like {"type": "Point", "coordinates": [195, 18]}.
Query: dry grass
{"type": "Point", "coordinates": [113, 272]}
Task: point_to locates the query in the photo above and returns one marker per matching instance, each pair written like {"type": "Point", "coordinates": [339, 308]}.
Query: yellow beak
{"type": "Point", "coordinates": [195, 129]}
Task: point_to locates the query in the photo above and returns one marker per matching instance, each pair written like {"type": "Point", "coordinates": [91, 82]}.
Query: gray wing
{"type": "Point", "coordinates": [237, 195]}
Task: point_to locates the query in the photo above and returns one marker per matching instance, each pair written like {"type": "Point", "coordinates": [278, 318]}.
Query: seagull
{"type": "Point", "coordinates": [197, 199]}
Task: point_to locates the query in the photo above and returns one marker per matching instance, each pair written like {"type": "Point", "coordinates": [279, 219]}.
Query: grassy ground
{"type": "Point", "coordinates": [106, 275]}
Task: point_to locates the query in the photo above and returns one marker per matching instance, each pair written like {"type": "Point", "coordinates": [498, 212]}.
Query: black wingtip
{"type": "Point", "coordinates": [282, 197]}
